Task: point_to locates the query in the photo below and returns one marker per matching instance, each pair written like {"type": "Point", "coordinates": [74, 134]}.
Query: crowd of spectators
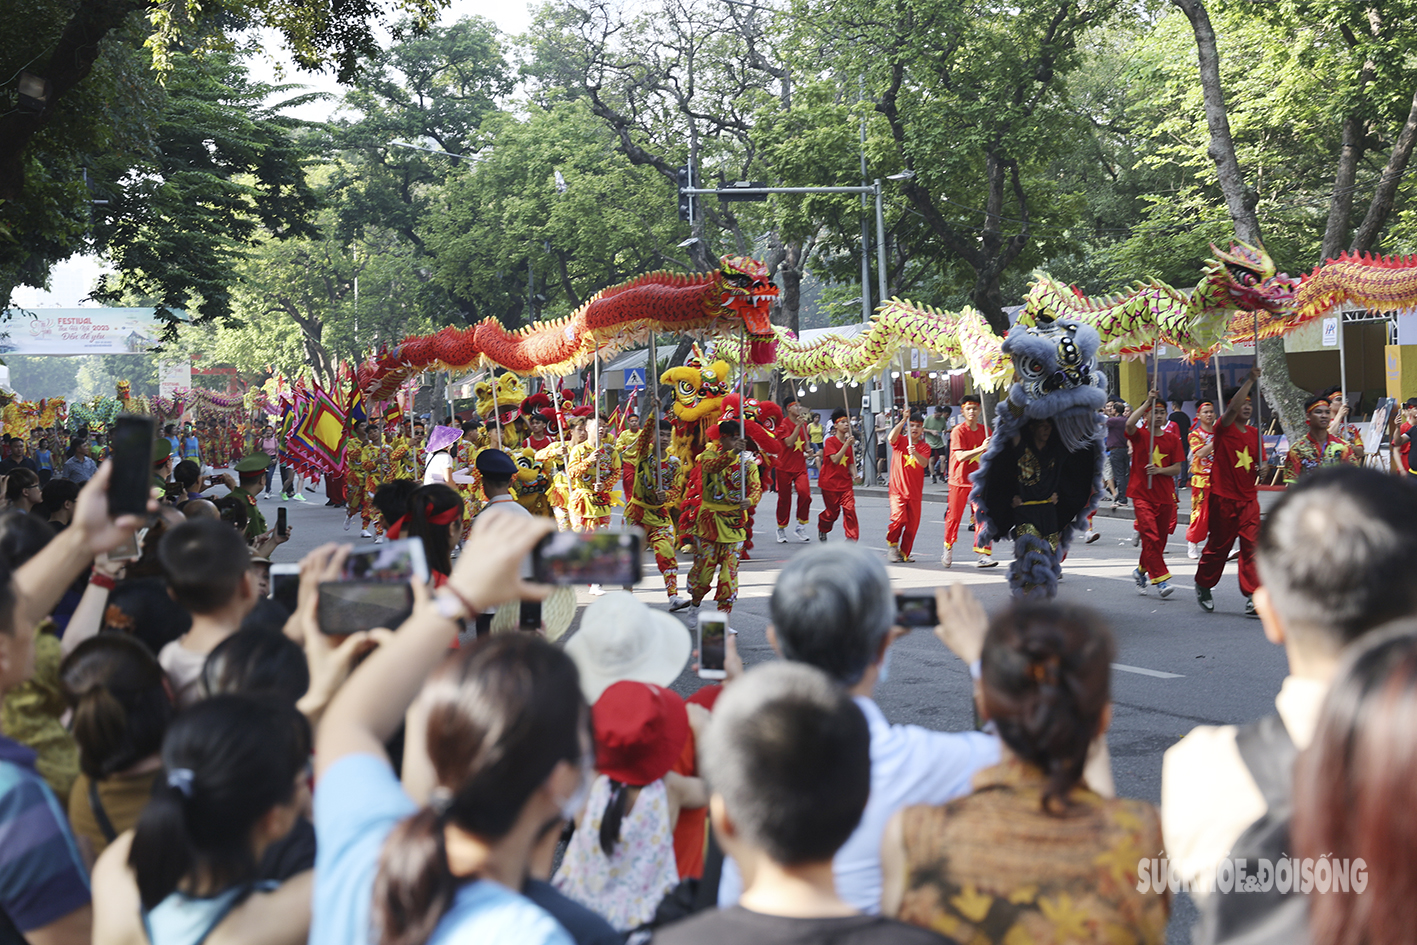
{"type": "Point", "coordinates": [185, 761]}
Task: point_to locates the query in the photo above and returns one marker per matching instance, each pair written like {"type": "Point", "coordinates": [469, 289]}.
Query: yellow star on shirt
{"type": "Point", "coordinates": [1243, 459]}
{"type": "Point", "coordinates": [1157, 459]}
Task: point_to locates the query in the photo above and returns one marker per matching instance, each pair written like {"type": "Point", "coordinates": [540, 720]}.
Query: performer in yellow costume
{"type": "Point", "coordinates": [722, 520]}
{"type": "Point", "coordinates": [655, 484]}
{"type": "Point", "coordinates": [593, 468]}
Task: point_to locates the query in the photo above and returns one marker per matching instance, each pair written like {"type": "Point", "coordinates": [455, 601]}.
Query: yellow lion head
{"type": "Point", "coordinates": [699, 388]}
{"type": "Point", "coordinates": [509, 393]}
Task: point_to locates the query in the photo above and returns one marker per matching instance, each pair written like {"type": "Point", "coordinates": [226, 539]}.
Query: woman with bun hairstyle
{"type": "Point", "coordinates": [1033, 854]}
{"type": "Point", "coordinates": [496, 747]}
{"type": "Point", "coordinates": [121, 710]}
{"type": "Point", "coordinates": [234, 779]}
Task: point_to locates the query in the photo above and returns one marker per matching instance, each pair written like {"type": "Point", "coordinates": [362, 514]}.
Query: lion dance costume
{"type": "Point", "coordinates": [1043, 495]}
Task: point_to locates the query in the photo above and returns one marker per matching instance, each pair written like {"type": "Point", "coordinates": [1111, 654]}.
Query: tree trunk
{"type": "Point", "coordinates": [1372, 226]}
{"type": "Point", "coordinates": [785, 259]}
{"type": "Point", "coordinates": [1275, 384]}
{"type": "Point", "coordinates": [438, 403]}
{"type": "Point", "coordinates": [70, 62]}
{"type": "Point", "coordinates": [1340, 207]}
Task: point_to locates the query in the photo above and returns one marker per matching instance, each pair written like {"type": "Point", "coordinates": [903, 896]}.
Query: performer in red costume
{"type": "Point", "coordinates": [1156, 459]}
{"type": "Point", "coordinates": [760, 419]}
{"type": "Point", "coordinates": [791, 470]}
{"type": "Point", "coordinates": [968, 441]}
{"type": "Point", "coordinates": [837, 479]}
{"type": "Point", "coordinates": [1202, 446]}
{"type": "Point", "coordinates": [1234, 501]}
{"type": "Point", "coordinates": [907, 484]}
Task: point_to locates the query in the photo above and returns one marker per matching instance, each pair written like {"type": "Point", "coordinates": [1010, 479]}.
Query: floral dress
{"type": "Point", "coordinates": [627, 886]}
{"type": "Point", "coordinates": [993, 867]}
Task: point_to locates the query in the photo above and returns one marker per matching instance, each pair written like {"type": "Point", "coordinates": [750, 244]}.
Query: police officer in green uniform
{"type": "Point", "coordinates": [162, 463]}
{"type": "Point", "coordinates": [252, 472]}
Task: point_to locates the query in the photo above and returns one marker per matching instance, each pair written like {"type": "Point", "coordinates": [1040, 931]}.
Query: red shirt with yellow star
{"type": "Point", "coordinates": [1166, 451]}
{"type": "Point", "coordinates": [1236, 461]}
{"type": "Point", "coordinates": [907, 470]}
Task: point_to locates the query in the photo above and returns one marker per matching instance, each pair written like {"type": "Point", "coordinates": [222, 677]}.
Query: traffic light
{"type": "Point", "coordinates": [726, 192]}
{"type": "Point", "coordinates": [686, 201]}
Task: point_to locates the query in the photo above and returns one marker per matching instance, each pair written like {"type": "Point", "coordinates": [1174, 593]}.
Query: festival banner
{"type": "Point", "coordinates": [77, 331]}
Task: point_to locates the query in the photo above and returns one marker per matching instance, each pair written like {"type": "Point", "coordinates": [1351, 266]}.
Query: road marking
{"type": "Point", "coordinates": [1146, 672]}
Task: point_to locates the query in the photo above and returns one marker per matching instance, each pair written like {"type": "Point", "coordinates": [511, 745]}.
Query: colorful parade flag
{"type": "Point", "coordinates": [316, 442]}
{"type": "Point", "coordinates": [356, 405]}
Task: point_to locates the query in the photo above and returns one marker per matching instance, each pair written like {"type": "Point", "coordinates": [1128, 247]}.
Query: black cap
{"type": "Point", "coordinates": [496, 464]}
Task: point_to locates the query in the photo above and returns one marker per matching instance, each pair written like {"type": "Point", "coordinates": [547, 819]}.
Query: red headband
{"type": "Point", "coordinates": [1203, 403]}
{"type": "Point", "coordinates": [396, 529]}
{"type": "Point", "coordinates": [445, 517]}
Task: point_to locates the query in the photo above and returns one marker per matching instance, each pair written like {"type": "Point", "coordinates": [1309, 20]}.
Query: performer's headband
{"type": "Point", "coordinates": [1313, 402]}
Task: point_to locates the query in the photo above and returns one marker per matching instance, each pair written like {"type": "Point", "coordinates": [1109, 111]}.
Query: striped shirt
{"type": "Point", "coordinates": [42, 878]}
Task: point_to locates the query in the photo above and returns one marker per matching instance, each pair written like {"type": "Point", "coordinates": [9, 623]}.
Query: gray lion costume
{"type": "Point", "coordinates": [1041, 477]}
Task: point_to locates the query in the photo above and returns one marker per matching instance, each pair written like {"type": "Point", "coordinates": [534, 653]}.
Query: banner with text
{"type": "Point", "coordinates": [77, 331]}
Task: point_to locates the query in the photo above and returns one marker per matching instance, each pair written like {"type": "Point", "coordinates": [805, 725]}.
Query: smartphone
{"type": "Point", "coordinates": [285, 585]}
{"type": "Point", "coordinates": [373, 591]}
{"type": "Point", "coordinates": [713, 645]}
{"type": "Point", "coordinates": [530, 616]}
{"type": "Point", "coordinates": [132, 455]}
{"type": "Point", "coordinates": [280, 521]}
{"type": "Point", "coordinates": [916, 610]}
{"type": "Point", "coordinates": [605, 557]}
{"type": "Point", "coordinates": [131, 549]}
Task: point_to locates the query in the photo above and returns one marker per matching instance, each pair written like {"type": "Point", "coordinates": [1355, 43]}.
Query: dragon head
{"type": "Point", "coordinates": [747, 288]}
{"type": "Point", "coordinates": [505, 398]}
{"type": "Point", "coordinates": [1249, 276]}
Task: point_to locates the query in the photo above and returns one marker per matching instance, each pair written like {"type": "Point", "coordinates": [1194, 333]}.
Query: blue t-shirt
{"type": "Point", "coordinates": [42, 878]}
{"type": "Point", "coordinates": [357, 804]}
{"type": "Point", "coordinates": [190, 448]}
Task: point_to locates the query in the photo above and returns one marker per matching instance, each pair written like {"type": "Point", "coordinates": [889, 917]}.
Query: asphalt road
{"type": "Point", "coordinates": [1176, 667]}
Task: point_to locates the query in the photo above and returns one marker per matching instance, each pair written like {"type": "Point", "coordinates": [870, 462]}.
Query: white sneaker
{"type": "Point", "coordinates": [378, 539]}
{"type": "Point", "coordinates": [678, 602]}
{"type": "Point", "coordinates": [984, 561]}
{"type": "Point", "coordinates": [364, 533]}
{"type": "Point", "coordinates": [801, 532]}
{"type": "Point", "coordinates": [782, 536]}
{"type": "Point", "coordinates": [1193, 550]}
{"type": "Point", "coordinates": [1092, 536]}
{"type": "Point", "coordinates": [349, 520]}
{"type": "Point", "coordinates": [596, 590]}
{"type": "Point", "coordinates": [948, 558]}
{"type": "Point", "coordinates": [1165, 589]}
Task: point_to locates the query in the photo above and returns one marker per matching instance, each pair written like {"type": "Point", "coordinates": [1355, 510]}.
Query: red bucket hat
{"type": "Point", "coordinates": [640, 731]}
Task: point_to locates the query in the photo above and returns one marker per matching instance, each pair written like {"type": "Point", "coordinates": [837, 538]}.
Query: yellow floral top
{"type": "Point", "coordinates": [32, 713]}
{"type": "Point", "coordinates": [993, 867]}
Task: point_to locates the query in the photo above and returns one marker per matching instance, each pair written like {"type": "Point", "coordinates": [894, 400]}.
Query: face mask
{"type": "Point", "coordinates": [571, 807]}
{"type": "Point", "coordinates": [885, 672]}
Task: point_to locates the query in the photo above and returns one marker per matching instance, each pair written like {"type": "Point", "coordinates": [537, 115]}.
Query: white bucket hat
{"type": "Point", "coordinates": [622, 638]}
